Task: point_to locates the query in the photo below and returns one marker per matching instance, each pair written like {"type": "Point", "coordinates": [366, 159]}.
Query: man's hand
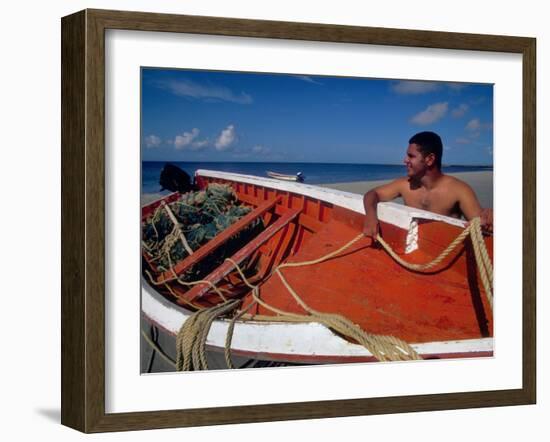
{"type": "Point", "coordinates": [486, 218]}
{"type": "Point", "coordinates": [371, 227]}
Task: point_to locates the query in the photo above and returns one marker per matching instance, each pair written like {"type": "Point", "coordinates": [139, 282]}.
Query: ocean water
{"type": "Point", "coordinates": [315, 173]}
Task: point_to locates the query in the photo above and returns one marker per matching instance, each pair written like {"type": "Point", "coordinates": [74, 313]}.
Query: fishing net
{"type": "Point", "coordinates": [197, 217]}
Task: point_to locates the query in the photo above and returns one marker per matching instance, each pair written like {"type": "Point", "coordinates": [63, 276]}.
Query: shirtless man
{"type": "Point", "coordinates": [426, 187]}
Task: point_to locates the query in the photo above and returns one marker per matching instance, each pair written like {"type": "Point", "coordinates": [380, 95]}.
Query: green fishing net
{"type": "Point", "coordinates": [200, 216]}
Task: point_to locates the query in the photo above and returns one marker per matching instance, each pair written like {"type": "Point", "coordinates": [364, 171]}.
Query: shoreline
{"type": "Point", "coordinates": [480, 181]}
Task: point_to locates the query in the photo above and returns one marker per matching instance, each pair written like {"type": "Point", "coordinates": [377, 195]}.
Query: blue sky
{"type": "Point", "coordinates": [234, 116]}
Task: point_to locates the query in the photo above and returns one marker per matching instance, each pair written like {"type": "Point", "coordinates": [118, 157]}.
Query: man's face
{"type": "Point", "coordinates": [415, 162]}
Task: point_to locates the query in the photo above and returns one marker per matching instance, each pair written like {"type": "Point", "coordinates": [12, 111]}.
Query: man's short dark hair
{"type": "Point", "coordinates": [429, 142]}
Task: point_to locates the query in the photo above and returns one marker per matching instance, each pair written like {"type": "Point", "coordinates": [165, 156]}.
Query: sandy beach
{"type": "Point", "coordinates": [147, 198]}
{"type": "Point", "coordinates": [481, 182]}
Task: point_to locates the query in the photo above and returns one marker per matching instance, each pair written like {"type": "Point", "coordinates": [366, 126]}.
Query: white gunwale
{"type": "Point", "coordinates": [295, 339]}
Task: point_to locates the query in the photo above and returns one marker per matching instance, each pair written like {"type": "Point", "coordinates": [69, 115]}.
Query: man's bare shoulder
{"type": "Point", "coordinates": [457, 188]}
{"type": "Point", "coordinates": [452, 182]}
{"type": "Point", "coordinates": [400, 182]}
{"type": "Point", "coordinates": [390, 190]}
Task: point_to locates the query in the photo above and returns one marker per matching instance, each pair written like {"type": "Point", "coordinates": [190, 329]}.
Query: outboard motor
{"type": "Point", "coordinates": [174, 179]}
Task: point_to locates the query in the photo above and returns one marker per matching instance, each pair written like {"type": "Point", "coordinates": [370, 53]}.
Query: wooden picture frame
{"type": "Point", "coordinates": [83, 220]}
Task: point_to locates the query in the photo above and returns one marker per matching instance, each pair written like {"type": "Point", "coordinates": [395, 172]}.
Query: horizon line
{"type": "Point", "coordinates": [306, 162]}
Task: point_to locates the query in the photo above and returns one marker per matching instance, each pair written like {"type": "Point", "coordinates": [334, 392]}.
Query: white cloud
{"type": "Point", "coordinates": [200, 144]}
{"type": "Point", "coordinates": [188, 88]}
{"type": "Point", "coordinates": [152, 141]}
{"type": "Point", "coordinates": [473, 125]}
{"type": "Point", "coordinates": [226, 138]}
{"type": "Point", "coordinates": [431, 114]}
{"type": "Point", "coordinates": [184, 140]}
{"type": "Point", "coordinates": [460, 111]}
{"type": "Point", "coordinates": [415, 87]}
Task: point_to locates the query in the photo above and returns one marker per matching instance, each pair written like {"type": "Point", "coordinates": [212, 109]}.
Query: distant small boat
{"type": "Point", "coordinates": [281, 176]}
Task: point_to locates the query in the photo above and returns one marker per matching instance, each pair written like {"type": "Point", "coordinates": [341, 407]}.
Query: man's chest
{"type": "Point", "coordinates": [433, 200]}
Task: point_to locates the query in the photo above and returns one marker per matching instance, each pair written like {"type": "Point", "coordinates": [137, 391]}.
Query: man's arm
{"type": "Point", "coordinates": [386, 192]}
{"type": "Point", "coordinates": [470, 207]}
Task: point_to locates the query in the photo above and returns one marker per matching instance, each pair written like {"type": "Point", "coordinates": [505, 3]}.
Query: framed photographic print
{"type": "Point", "coordinates": [268, 220]}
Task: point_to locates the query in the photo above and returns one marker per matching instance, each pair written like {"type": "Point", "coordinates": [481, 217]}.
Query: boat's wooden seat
{"type": "Point", "coordinates": [223, 270]}
{"type": "Point", "coordinates": [219, 240]}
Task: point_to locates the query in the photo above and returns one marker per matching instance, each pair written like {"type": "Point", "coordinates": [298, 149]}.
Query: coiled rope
{"type": "Point", "coordinates": [191, 338]}
{"type": "Point", "coordinates": [383, 348]}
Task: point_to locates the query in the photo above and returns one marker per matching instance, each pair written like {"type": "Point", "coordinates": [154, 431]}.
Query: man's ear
{"type": "Point", "coordinates": [430, 159]}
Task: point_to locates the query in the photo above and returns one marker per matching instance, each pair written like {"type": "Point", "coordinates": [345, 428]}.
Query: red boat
{"type": "Point", "coordinates": [309, 277]}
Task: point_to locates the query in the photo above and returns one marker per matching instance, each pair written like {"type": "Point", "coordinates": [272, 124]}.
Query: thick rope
{"type": "Point", "coordinates": [427, 266]}
{"type": "Point", "coordinates": [153, 219]}
{"type": "Point", "coordinates": [229, 336]}
{"type": "Point", "coordinates": [177, 228]}
{"type": "Point", "coordinates": [192, 336]}
{"type": "Point", "coordinates": [322, 258]}
{"type": "Point", "coordinates": [483, 263]}
{"type": "Point", "coordinates": [480, 251]}
{"type": "Point", "coordinates": [383, 348]}
{"type": "Point", "coordinates": [343, 325]}
{"type": "Point", "coordinates": [213, 286]}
